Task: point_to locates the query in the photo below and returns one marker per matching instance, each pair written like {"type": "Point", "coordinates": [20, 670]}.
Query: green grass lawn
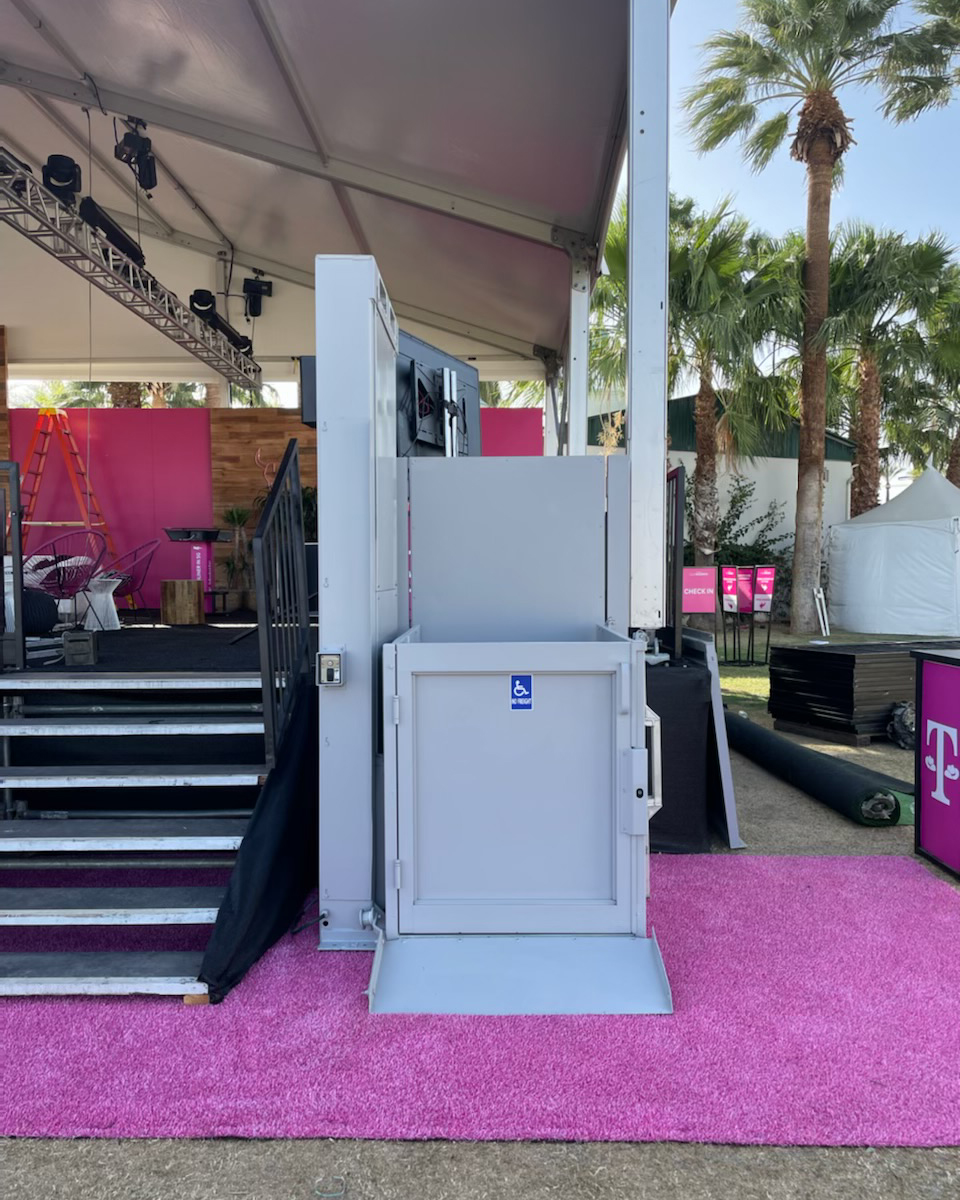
{"type": "Point", "coordinates": [745, 687]}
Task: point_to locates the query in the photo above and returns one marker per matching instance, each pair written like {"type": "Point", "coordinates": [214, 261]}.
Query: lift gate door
{"type": "Point", "coordinates": [510, 775]}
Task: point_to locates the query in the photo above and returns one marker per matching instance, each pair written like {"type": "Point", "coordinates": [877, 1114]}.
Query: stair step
{"type": "Point", "coordinates": [128, 726]}
{"type": "Point", "coordinates": [110, 905]}
{"type": "Point", "coordinates": [113, 681]}
{"type": "Point", "coordinates": [133, 777]}
{"type": "Point", "coordinates": [135, 834]}
{"type": "Point", "coordinates": [116, 973]}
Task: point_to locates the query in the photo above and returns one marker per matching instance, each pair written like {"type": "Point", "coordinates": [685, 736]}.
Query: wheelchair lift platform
{"type": "Point", "coordinates": [488, 764]}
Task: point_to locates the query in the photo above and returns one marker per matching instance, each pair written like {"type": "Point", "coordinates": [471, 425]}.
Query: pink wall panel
{"type": "Point", "coordinates": [149, 469]}
{"type": "Point", "coordinates": [511, 431]}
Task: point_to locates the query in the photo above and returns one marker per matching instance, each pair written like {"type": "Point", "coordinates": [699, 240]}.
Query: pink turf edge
{"type": "Point", "coordinates": [817, 1003]}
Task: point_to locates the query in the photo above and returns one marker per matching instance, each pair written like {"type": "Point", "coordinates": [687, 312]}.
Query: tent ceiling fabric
{"type": "Point", "coordinates": [505, 113]}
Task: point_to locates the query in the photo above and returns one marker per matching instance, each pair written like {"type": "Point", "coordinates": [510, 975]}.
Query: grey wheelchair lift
{"type": "Point", "coordinates": [488, 765]}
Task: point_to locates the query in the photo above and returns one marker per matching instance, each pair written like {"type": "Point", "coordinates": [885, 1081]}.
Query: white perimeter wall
{"type": "Point", "coordinates": [776, 479]}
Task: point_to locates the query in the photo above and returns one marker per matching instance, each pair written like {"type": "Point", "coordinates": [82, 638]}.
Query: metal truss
{"type": "Point", "coordinates": [35, 212]}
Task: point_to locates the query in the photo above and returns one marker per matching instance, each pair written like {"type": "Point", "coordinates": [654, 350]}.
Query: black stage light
{"type": "Point", "coordinates": [147, 171]}
{"type": "Point", "coordinates": [18, 186]}
{"type": "Point", "coordinates": [94, 215]}
{"type": "Point", "coordinates": [61, 175]}
{"type": "Point", "coordinates": [204, 304]}
{"type": "Point", "coordinates": [136, 151]}
{"type": "Point", "coordinates": [254, 290]}
{"type": "Point", "coordinates": [130, 146]}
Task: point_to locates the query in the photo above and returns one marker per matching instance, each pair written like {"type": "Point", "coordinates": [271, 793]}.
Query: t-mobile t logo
{"type": "Point", "coordinates": [937, 761]}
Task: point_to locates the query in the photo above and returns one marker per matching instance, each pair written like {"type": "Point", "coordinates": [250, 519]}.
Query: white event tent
{"type": "Point", "coordinates": [896, 568]}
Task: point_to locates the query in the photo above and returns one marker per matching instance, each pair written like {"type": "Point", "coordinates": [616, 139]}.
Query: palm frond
{"type": "Point", "coordinates": [760, 147]}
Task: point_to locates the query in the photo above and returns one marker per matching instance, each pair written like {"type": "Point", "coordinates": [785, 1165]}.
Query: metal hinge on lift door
{"type": "Point", "coordinates": [633, 792]}
{"type": "Point", "coordinates": [641, 780]}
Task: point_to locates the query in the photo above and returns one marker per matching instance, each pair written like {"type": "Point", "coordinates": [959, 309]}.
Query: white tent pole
{"type": "Point", "coordinates": [647, 259]}
{"type": "Point", "coordinates": [578, 353]}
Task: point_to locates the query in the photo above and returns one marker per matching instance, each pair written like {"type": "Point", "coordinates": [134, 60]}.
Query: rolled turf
{"type": "Point", "coordinates": [865, 796]}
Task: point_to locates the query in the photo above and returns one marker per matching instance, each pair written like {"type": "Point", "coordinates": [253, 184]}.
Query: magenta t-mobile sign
{"type": "Point", "coordinates": [938, 761]}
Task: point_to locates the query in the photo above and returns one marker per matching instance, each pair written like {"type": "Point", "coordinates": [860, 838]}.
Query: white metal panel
{"type": "Point", "coordinates": [509, 818]}
{"type": "Point", "coordinates": [618, 543]}
{"type": "Point", "coordinates": [508, 548]}
{"type": "Point", "coordinates": [648, 202]}
{"type": "Point", "coordinates": [353, 382]}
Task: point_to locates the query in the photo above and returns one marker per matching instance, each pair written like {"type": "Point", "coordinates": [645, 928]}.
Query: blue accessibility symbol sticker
{"type": "Point", "coordinates": [521, 692]}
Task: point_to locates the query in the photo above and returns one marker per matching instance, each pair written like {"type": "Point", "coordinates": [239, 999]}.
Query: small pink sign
{"type": "Point", "coordinates": [938, 754]}
{"type": "Point", "coordinates": [201, 564]}
{"type": "Point", "coordinates": [728, 587]}
{"type": "Point", "coordinates": [745, 588]}
{"type": "Point", "coordinates": [699, 589]}
{"type": "Point", "coordinates": [763, 596]}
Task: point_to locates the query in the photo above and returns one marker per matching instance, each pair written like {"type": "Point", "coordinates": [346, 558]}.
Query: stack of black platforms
{"type": "Point", "coordinates": [842, 693]}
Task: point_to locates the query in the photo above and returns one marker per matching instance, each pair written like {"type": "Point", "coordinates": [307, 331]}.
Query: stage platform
{"type": "Point", "coordinates": [144, 649]}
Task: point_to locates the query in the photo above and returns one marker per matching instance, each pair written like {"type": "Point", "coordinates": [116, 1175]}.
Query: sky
{"type": "Point", "coordinates": [905, 178]}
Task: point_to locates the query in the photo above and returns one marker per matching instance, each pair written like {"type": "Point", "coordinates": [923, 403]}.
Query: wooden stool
{"type": "Point", "coordinates": [181, 602]}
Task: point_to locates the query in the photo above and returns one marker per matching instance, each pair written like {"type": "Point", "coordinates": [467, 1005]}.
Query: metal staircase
{"type": "Point", "coordinates": [120, 773]}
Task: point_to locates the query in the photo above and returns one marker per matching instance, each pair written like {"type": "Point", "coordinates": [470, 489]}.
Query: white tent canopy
{"type": "Point", "coordinates": [473, 149]}
{"type": "Point", "coordinates": [896, 568]}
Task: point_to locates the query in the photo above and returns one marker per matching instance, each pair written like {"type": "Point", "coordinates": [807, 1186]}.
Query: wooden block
{"type": "Point", "coordinates": [181, 602]}
{"type": "Point", "coordinates": [197, 998]}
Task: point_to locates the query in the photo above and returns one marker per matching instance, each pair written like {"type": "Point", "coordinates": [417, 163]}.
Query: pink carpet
{"type": "Point", "coordinates": [817, 1002]}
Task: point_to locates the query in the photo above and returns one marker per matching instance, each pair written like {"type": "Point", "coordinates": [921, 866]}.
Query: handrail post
{"type": "Point", "coordinates": [283, 614]}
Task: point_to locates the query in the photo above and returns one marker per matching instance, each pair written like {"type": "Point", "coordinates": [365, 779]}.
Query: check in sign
{"type": "Point", "coordinates": [521, 692]}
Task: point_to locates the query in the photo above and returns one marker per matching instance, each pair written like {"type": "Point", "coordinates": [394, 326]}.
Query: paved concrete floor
{"type": "Point", "coordinates": [774, 819]}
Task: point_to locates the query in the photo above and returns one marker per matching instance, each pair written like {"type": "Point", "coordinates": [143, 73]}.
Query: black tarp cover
{"type": "Point", "coordinates": [679, 692]}
{"type": "Point", "coordinates": [276, 865]}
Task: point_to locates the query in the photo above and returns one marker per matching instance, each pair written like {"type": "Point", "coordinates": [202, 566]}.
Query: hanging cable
{"type": "Point", "coordinates": [96, 91]}
{"type": "Point", "coordinates": [89, 317]}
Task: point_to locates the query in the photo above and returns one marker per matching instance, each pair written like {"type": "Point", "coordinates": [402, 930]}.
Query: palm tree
{"type": "Point", "coordinates": [923, 418]}
{"type": "Point", "coordinates": [800, 56]}
{"type": "Point", "coordinates": [173, 395]}
{"type": "Point", "coordinates": [708, 335]}
{"type": "Point", "coordinates": [944, 367]}
{"type": "Point", "coordinates": [126, 395]}
{"type": "Point", "coordinates": [882, 288]}
{"type": "Point", "coordinates": [63, 393]}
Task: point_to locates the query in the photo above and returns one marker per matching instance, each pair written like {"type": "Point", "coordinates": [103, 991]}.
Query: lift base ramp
{"type": "Point", "coordinates": [529, 974]}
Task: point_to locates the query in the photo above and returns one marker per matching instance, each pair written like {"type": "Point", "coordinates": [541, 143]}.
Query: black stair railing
{"type": "Point", "coordinates": [283, 614]}
{"type": "Point", "coordinates": [676, 489]}
{"type": "Point", "coordinates": [12, 643]}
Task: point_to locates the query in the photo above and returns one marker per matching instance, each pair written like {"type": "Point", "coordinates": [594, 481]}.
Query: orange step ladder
{"type": "Point", "coordinates": [54, 425]}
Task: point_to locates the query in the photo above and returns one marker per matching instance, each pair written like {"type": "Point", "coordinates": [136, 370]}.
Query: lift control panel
{"type": "Point", "coordinates": [330, 668]}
